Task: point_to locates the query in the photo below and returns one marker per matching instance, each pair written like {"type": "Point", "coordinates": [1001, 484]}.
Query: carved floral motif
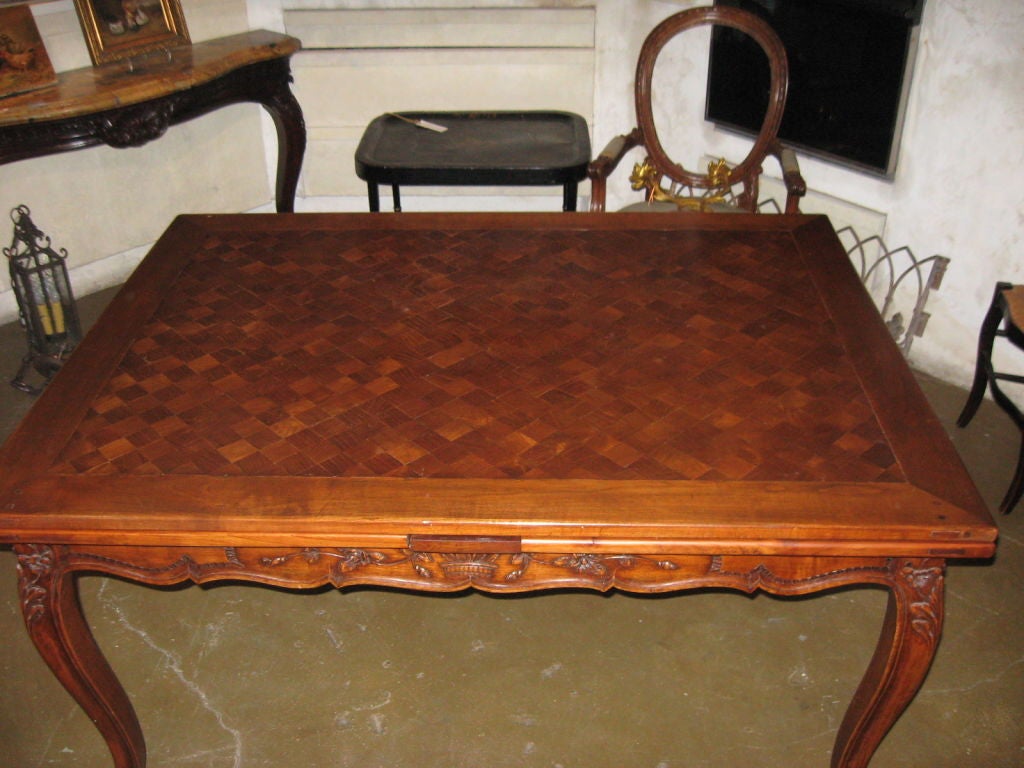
{"type": "Point", "coordinates": [762, 577]}
{"type": "Point", "coordinates": [601, 567]}
{"type": "Point", "coordinates": [35, 565]}
{"type": "Point", "coordinates": [304, 567]}
{"type": "Point", "coordinates": [926, 583]}
{"type": "Point", "coordinates": [135, 127]}
{"type": "Point", "coordinates": [460, 566]}
{"type": "Point", "coordinates": [346, 560]}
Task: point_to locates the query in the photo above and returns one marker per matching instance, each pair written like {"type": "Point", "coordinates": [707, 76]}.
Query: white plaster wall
{"type": "Point", "coordinates": [960, 187]}
{"type": "Point", "coordinates": [958, 190]}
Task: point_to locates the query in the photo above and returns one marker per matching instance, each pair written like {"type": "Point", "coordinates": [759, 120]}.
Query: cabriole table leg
{"type": "Point", "coordinates": [906, 647]}
{"type": "Point", "coordinates": [53, 616]}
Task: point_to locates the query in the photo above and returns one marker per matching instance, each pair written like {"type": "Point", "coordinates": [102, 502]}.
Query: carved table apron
{"type": "Point", "coordinates": [505, 403]}
{"type": "Point", "coordinates": [127, 104]}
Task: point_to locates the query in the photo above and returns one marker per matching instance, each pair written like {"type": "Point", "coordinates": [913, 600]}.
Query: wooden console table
{"type": "Point", "coordinates": [129, 103]}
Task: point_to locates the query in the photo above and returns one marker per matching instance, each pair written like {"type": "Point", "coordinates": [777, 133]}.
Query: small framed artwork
{"type": "Point", "coordinates": [120, 29]}
{"type": "Point", "coordinates": [24, 64]}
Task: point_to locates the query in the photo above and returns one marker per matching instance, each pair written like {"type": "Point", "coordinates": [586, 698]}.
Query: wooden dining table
{"type": "Point", "coordinates": [501, 402]}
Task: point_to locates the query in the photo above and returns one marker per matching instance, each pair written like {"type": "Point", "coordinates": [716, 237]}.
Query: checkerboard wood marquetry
{"type": "Point", "coordinates": [504, 402]}
{"type": "Point", "coordinates": [614, 355]}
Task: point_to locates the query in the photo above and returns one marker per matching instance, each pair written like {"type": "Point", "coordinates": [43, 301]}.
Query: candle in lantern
{"type": "Point", "coordinates": [52, 317]}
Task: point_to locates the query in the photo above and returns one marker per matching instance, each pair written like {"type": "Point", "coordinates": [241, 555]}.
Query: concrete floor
{"type": "Point", "coordinates": [243, 676]}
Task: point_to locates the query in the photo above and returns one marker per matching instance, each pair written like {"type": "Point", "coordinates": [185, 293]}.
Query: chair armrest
{"type": "Point", "coordinates": [602, 166]}
{"type": "Point", "coordinates": [791, 177]}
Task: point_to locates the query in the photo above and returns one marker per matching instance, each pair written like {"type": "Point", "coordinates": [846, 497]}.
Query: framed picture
{"type": "Point", "coordinates": [24, 64]}
{"type": "Point", "coordinates": [120, 29]}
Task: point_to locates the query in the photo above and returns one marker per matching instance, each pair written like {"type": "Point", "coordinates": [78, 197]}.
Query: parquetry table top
{"type": "Point", "coordinates": [719, 381]}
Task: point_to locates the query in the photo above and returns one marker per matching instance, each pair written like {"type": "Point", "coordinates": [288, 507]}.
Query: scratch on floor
{"type": "Point", "coordinates": [58, 728]}
{"type": "Point", "coordinates": [338, 644]}
{"type": "Point", "coordinates": [173, 662]}
{"type": "Point", "coordinates": [378, 705]}
{"type": "Point", "coordinates": [378, 723]}
{"type": "Point", "coordinates": [375, 721]}
{"type": "Point", "coordinates": [1006, 537]}
{"type": "Point", "coordinates": [799, 677]}
{"type": "Point", "coordinates": [991, 680]}
{"type": "Point", "coordinates": [551, 671]}
{"type": "Point", "coordinates": [202, 754]}
{"type": "Point", "coordinates": [211, 633]}
{"type": "Point", "coordinates": [829, 704]}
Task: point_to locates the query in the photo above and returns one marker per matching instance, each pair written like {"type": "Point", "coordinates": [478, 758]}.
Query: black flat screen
{"type": "Point", "coordinates": [847, 63]}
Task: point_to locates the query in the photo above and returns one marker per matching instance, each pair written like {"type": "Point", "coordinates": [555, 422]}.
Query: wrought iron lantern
{"type": "Point", "coordinates": [46, 307]}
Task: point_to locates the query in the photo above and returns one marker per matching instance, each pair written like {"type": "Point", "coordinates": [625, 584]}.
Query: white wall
{"type": "Point", "coordinates": [960, 187]}
{"type": "Point", "coordinates": [958, 191]}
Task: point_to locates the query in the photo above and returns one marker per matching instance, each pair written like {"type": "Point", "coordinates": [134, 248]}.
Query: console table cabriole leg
{"type": "Point", "coordinates": [53, 616]}
{"type": "Point", "coordinates": [286, 113]}
{"type": "Point", "coordinates": [906, 647]}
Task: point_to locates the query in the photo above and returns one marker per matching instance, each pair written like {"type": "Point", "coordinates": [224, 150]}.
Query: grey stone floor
{"type": "Point", "coordinates": [240, 676]}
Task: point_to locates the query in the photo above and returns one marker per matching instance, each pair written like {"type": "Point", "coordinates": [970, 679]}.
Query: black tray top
{"type": "Point", "coordinates": [477, 148]}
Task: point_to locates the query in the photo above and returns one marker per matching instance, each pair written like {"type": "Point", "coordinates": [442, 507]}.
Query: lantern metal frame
{"type": "Point", "coordinates": [46, 305]}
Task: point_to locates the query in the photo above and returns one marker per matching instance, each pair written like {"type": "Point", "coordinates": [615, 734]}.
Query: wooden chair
{"type": "Point", "coordinates": [1005, 318]}
{"type": "Point", "coordinates": [715, 189]}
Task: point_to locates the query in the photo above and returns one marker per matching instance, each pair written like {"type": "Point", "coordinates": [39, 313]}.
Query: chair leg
{"type": "Point", "coordinates": [1013, 493]}
{"type": "Point", "coordinates": [983, 365]}
{"type": "Point", "coordinates": [1016, 489]}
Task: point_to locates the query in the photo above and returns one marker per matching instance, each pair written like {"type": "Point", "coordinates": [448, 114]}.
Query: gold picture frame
{"type": "Point", "coordinates": [120, 29]}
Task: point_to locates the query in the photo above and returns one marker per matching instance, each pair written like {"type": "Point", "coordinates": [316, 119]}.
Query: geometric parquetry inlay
{"type": "Point", "coordinates": [617, 355]}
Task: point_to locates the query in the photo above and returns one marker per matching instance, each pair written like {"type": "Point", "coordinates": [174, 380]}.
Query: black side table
{"type": "Point", "coordinates": [478, 149]}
